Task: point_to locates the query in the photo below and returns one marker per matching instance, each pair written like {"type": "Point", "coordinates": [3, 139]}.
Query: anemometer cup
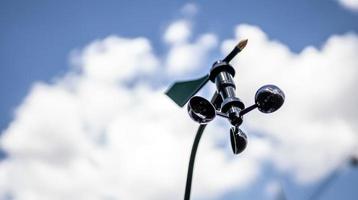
{"type": "Point", "coordinates": [201, 110]}
{"type": "Point", "coordinates": [269, 98]}
{"type": "Point", "coordinates": [238, 140]}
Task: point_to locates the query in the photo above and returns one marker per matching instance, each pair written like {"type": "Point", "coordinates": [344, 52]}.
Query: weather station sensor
{"type": "Point", "coordinates": [224, 103]}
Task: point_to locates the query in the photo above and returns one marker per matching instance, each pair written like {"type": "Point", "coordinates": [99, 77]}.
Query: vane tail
{"type": "Point", "coordinates": [181, 92]}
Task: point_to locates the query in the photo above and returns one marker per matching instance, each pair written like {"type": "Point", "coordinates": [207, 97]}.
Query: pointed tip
{"type": "Point", "coordinates": [242, 44]}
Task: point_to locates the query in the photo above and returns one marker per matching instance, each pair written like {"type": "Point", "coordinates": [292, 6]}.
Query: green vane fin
{"type": "Point", "coordinates": [181, 92]}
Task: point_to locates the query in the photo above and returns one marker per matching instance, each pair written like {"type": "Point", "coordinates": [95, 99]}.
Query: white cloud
{"type": "Point", "coordinates": [349, 4]}
{"type": "Point", "coordinates": [178, 32]}
{"type": "Point", "coordinates": [188, 57]}
{"type": "Point", "coordinates": [184, 55]}
{"type": "Point", "coordinates": [190, 9]}
{"type": "Point", "coordinates": [316, 128]}
{"type": "Point", "coordinates": [115, 58]}
{"type": "Point", "coordinates": [273, 189]}
{"type": "Point", "coordinates": [88, 136]}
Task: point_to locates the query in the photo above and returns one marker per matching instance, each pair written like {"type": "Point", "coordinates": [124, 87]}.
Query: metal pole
{"type": "Point", "coordinates": [189, 177]}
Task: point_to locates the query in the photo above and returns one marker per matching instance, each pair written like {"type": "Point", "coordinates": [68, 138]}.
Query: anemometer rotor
{"type": "Point", "coordinates": [224, 103]}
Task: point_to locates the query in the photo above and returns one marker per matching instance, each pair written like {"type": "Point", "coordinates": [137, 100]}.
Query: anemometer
{"type": "Point", "coordinates": [224, 103]}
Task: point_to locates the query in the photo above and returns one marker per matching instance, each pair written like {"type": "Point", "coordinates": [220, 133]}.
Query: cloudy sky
{"type": "Point", "coordinates": [83, 114]}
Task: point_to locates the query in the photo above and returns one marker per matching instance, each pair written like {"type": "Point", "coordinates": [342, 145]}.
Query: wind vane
{"type": "Point", "coordinates": [224, 103]}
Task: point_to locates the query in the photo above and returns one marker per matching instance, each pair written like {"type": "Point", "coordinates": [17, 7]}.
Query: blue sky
{"type": "Point", "coordinates": [37, 39]}
{"type": "Point", "coordinates": [38, 36]}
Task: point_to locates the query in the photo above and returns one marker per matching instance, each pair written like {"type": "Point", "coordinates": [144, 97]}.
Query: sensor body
{"type": "Point", "coordinates": [222, 74]}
